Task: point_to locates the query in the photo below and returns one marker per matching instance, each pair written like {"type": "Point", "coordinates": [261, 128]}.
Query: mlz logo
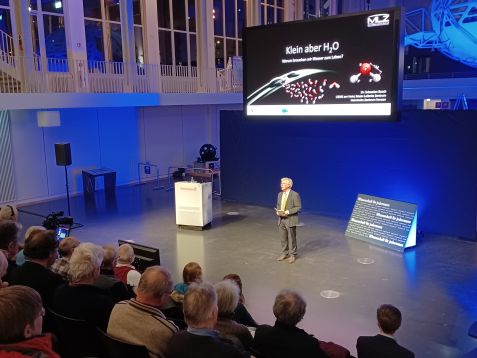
{"type": "Point", "coordinates": [378, 20]}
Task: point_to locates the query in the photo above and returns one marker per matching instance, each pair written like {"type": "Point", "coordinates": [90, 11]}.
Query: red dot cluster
{"type": "Point", "coordinates": [308, 91]}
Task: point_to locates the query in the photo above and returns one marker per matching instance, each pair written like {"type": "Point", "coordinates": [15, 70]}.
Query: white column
{"type": "Point", "coordinates": [293, 10]}
{"type": "Point", "coordinates": [129, 50]}
{"type": "Point", "coordinates": [76, 42]}
{"type": "Point", "coordinates": [24, 46]}
{"type": "Point", "coordinates": [150, 32]}
{"type": "Point", "coordinates": [254, 13]}
{"type": "Point", "coordinates": [205, 45]}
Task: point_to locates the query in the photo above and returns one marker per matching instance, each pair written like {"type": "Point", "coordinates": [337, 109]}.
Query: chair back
{"type": "Point", "coordinates": [76, 336]}
{"type": "Point", "coordinates": [115, 348]}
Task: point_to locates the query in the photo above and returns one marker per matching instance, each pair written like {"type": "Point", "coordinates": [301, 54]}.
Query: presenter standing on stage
{"type": "Point", "coordinates": [288, 206]}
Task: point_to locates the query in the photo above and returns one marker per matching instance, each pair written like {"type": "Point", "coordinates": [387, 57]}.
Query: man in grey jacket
{"type": "Point", "coordinates": [288, 206]}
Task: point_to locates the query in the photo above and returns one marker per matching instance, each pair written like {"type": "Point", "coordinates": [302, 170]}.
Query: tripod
{"type": "Point", "coordinates": [67, 190]}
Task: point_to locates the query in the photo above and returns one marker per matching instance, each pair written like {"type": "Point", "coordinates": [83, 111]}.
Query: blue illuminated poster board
{"type": "Point", "coordinates": [383, 222]}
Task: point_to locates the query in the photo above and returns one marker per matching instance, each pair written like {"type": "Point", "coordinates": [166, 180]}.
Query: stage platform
{"type": "Point", "coordinates": [434, 284]}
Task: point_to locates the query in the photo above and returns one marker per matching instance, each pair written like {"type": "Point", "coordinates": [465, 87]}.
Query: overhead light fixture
{"type": "Point", "coordinates": [48, 119]}
{"type": "Point", "coordinates": [58, 5]}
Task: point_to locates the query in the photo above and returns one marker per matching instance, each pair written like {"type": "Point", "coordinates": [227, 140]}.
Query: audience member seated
{"type": "Point", "coordinates": [284, 339]}
{"type": "Point", "coordinates": [124, 271]}
{"type": "Point", "coordinates": [384, 344]}
{"type": "Point", "coordinates": [9, 212]}
{"type": "Point", "coordinates": [80, 299]}
{"type": "Point", "coordinates": [109, 260]}
{"type": "Point", "coordinates": [192, 273]}
{"type": "Point", "coordinates": [3, 269]}
{"type": "Point", "coordinates": [41, 250]}
{"type": "Point", "coordinates": [32, 230]}
{"type": "Point", "coordinates": [65, 249]}
{"type": "Point", "coordinates": [140, 320]}
{"type": "Point", "coordinates": [9, 243]}
{"type": "Point", "coordinates": [227, 299]}
{"type": "Point", "coordinates": [200, 339]}
{"type": "Point", "coordinates": [21, 313]}
{"type": "Point", "coordinates": [241, 314]}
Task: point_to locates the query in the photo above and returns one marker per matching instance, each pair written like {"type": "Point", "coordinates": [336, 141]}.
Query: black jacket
{"type": "Point", "coordinates": [382, 347]}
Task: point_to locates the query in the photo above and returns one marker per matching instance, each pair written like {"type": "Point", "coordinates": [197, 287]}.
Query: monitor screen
{"type": "Point", "coordinates": [334, 67]}
{"type": "Point", "coordinates": [145, 256]}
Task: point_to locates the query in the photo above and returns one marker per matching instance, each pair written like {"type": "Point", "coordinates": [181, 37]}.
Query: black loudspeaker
{"type": "Point", "coordinates": [63, 154]}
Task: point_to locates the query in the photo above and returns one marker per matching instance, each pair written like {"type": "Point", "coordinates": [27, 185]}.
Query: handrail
{"type": "Point", "coordinates": [6, 43]}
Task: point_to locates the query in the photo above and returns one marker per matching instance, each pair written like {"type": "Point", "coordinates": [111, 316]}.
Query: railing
{"type": "Point", "coordinates": [55, 75]}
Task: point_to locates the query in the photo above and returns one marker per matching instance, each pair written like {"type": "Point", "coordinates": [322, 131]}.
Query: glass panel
{"type": "Point", "coordinates": [230, 48]}
{"type": "Point", "coordinates": [112, 10]}
{"type": "Point", "coordinates": [92, 8]}
{"type": "Point", "coordinates": [115, 43]}
{"type": "Point", "coordinates": [139, 44]}
{"type": "Point", "coordinates": [270, 15]}
{"type": "Point", "coordinates": [5, 2]}
{"type": "Point", "coordinates": [165, 47]}
{"type": "Point", "coordinates": [94, 40]}
{"type": "Point", "coordinates": [262, 13]}
{"type": "Point", "coordinates": [193, 50]}
{"type": "Point", "coordinates": [55, 39]}
{"type": "Point", "coordinates": [219, 52]}
{"type": "Point", "coordinates": [179, 15]}
{"type": "Point", "coordinates": [180, 43]}
{"type": "Point", "coordinates": [137, 12]}
{"type": "Point", "coordinates": [33, 5]}
{"type": "Point", "coordinates": [55, 6]}
{"type": "Point", "coordinates": [241, 17]}
{"type": "Point", "coordinates": [280, 15]}
{"type": "Point", "coordinates": [218, 22]}
{"type": "Point", "coordinates": [230, 18]}
{"type": "Point", "coordinates": [5, 24]}
{"type": "Point", "coordinates": [240, 47]}
{"type": "Point", "coordinates": [191, 18]}
{"type": "Point", "coordinates": [280, 3]}
{"type": "Point", "coordinates": [163, 16]}
{"type": "Point", "coordinates": [34, 35]}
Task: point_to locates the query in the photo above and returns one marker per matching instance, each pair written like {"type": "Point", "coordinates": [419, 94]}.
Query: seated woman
{"type": "Point", "coordinates": [124, 270]}
{"type": "Point", "coordinates": [241, 314]}
{"type": "Point", "coordinates": [227, 299]}
{"type": "Point", "coordinates": [80, 299]}
{"type": "Point", "coordinates": [22, 314]}
{"type": "Point", "coordinates": [192, 273]}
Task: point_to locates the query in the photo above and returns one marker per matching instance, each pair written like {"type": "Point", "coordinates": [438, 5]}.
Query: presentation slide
{"type": "Point", "coordinates": [339, 66]}
{"type": "Point", "coordinates": [383, 222]}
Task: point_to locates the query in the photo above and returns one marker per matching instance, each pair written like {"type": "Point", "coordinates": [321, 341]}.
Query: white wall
{"type": "Point", "coordinates": [117, 138]}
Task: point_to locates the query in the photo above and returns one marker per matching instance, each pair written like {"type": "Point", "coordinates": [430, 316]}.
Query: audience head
{"type": "Point", "coordinates": [22, 313]}
{"type": "Point", "coordinates": [42, 246]}
{"type": "Point", "coordinates": [109, 259]}
{"type": "Point", "coordinates": [289, 307]}
{"type": "Point", "coordinates": [3, 267]}
{"type": "Point", "coordinates": [85, 263]}
{"type": "Point", "coordinates": [9, 238]}
{"type": "Point", "coordinates": [228, 294]}
{"type": "Point", "coordinates": [155, 286]}
{"type": "Point", "coordinates": [236, 278]}
{"type": "Point", "coordinates": [389, 318]}
{"type": "Point", "coordinates": [192, 273]}
{"type": "Point", "coordinates": [125, 254]}
{"type": "Point", "coordinates": [32, 230]}
{"type": "Point", "coordinates": [9, 212]}
{"type": "Point", "coordinates": [200, 306]}
{"type": "Point", "coordinates": [67, 246]}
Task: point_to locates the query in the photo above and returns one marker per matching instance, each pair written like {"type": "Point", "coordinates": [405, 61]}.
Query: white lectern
{"type": "Point", "coordinates": [193, 204]}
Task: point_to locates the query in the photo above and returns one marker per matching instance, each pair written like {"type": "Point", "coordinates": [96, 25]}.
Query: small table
{"type": "Point", "coordinates": [89, 180]}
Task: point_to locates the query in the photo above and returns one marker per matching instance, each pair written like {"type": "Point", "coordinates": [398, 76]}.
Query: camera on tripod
{"type": "Point", "coordinates": [55, 219]}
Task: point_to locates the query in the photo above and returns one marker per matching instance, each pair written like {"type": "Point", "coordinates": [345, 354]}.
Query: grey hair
{"type": "Point", "coordinates": [125, 254]}
{"type": "Point", "coordinates": [86, 259]}
{"type": "Point", "coordinates": [228, 294]}
{"type": "Point", "coordinates": [288, 180]}
{"type": "Point", "coordinates": [289, 307]}
{"type": "Point", "coordinates": [155, 281]}
{"type": "Point", "coordinates": [3, 265]}
{"type": "Point", "coordinates": [200, 301]}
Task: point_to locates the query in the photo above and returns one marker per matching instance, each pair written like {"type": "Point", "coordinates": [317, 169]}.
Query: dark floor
{"type": "Point", "coordinates": [434, 284]}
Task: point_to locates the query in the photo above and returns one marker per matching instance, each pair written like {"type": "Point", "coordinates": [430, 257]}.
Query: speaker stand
{"type": "Point", "coordinates": [67, 191]}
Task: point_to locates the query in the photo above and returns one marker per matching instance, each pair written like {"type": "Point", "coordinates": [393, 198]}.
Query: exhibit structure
{"type": "Point", "coordinates": [193, 204]}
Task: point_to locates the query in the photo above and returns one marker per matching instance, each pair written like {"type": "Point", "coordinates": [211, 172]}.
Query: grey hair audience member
{"type": "Point", "coordinates": [124, 270]}
{"type": "Point", "coordinates": [3, 269]}
{"type": "Point", "coordinates": [22, 314]}
{"type": "Point", "coordinates": [284, 339]}
{"type": "Point", "coordinates": [32, 230]}
{"type": "Point", "coordinates": [109, 260]}
{"type": "Point", "coordinates": [65, 249]}
{"type": "Point", "coordinates": [384, 344]}
{"type": "Point", "coordinates": [80, 299]}
{"type": "Point", "coordinates": [141, 321]}
{"type": "Point", "coordinates": [228, 293]}
{"type": "Point", "coordinates": [200, 339]}
{"type": "Point", "coordinates": [9, 212]}
{"type": "Point", "coordinates": [9, 242]}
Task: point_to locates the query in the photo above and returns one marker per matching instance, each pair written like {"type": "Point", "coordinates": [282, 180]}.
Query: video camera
{"type": "Point", "coordinates": [55, 219]}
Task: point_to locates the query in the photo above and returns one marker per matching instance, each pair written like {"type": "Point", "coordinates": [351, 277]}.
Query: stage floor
{"type": "Point", "coordinates": [434, 285]}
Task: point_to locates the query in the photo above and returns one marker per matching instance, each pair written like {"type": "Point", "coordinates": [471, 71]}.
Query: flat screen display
{"type": "Point", "coordinates": [340, 67]}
